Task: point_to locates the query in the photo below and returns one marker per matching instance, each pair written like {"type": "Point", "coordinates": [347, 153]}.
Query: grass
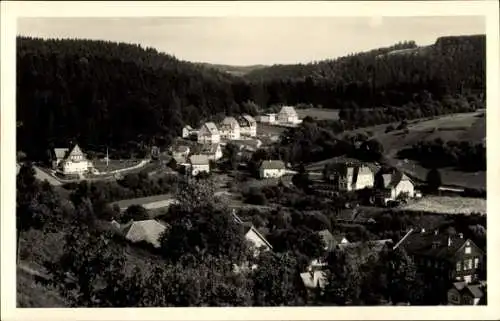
{"type": "Point", "coordinates": [114, 164]}
{"type": "Point", "coordinates": [33, 294]}
{"type": "Point", "coordinates": [152, 202]}
{"type": "Point", "coordinates": [463, 126]}
{"type": "Point", "coordinates": [265, 129]}
{"type": "Point", "coordinates": [448, 205]}
{"type": "Point", "coordinates": [318, 113]}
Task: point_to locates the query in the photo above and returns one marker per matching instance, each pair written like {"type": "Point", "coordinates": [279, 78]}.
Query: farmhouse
{"type": "Point", "coordinates": [188, 132]}
{"type": "Point", "coordinates": [248, 125]}
{"type": "Point", "coordinates": [199, 163]}
{"type": "Point", "coordinates": [272, 169]}
{"type": "Point", "coordinates": [73, 162]}
{"type": "Point", "coordinates": [288, 115]}
{"type": "Point", "coordinates": [393, 185]}
{"type": "Point", "coordinates": [352, 177]}
{"type": "Point", "coordinates": [267, 118]}
{"type": "Point", "coordinates": [229, 128]}
{"type": "Point", "coordinates": [454, 256]}
{"type": "Point", "coordinates": [212, 151]}
{"type": "Point", "coordinates": [462, 293]}
{"type": "Point", "coordinates": [208, 134]}
{"type": "Point", "coordinates": [148, 231]}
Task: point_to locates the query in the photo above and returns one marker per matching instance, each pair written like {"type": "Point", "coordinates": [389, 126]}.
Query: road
{"type": "Point", "coordinates": [41, 175]}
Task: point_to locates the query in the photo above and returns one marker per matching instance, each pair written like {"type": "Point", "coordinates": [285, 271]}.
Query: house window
{"type": "Point", "coordinates": [476, 263]}
{"type": "Point", "coordinates": [467, 278]}
{"type": "Point", "coordinates": [467, 250]}
{"type": "Point", "coordinates": [468, 264]}
{"type": "Point", "coordinates": [459, 266]}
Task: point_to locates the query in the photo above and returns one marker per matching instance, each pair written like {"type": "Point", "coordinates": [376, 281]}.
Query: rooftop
{"type": "Point", "coordinates": [272, 164]}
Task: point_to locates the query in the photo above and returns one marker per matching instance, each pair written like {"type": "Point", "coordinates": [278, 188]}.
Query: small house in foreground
{"type": "Point", "coordinates": [462, 293]}
{"type": "Point", "coordinates": [272, 169]}
{"type": "Point", "coordinates": [199, 163]}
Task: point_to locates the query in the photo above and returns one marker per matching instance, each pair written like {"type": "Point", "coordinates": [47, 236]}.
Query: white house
{"type": "Point", "coordinates": [396, 184]}
{"type": "Point", "coordinates": [199, 163]}
{"type": "Point", "coordinates": [188, 131]}
{"type": "Point", "coordinates": [208, 134]}
{"type": "Point", "coordinates": [288, 115]}
{"type": "Point", "coordinates": [212, 151]}
{"type": "Point", "coordinates": [72, 163]}
{"type": "Point", "coordinates": [252, 235]}
{"type": "Point", "coordinates": [248, 125]}
{"type": "Point", "coordinates": [352, 177]}
{"type": "Point", "coordinates": [267, 118]}
{"type": "Point", "coordinates": [272, 169]}
{"type": "Point", "coordinates": [229, 128]}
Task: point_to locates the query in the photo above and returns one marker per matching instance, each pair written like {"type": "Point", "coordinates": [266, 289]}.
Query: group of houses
{"type": "Point", "coordinates": [390, 184]}
{"type": "Point", "coordinates": [456, 258]}
{"type": "Point", "coordinates": [287, 116]}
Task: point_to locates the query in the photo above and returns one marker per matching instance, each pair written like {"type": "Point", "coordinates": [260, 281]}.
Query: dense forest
{"type": "Point", "coordinates": [128, 98]}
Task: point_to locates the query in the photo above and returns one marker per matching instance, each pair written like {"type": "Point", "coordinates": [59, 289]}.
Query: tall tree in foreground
{"type": "Point", "coordinates": [434, 180]}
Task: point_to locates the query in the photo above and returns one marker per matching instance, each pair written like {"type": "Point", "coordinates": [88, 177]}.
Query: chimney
{"type": "Point", "coordinates": [449, 241]}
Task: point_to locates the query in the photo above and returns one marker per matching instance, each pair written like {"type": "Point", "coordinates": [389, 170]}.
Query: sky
{"type": "Point", "coordinates": [256, 40]}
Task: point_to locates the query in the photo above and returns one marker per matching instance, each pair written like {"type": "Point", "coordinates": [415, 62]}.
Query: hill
{"type": "Point", "coordinates": [127, 97]}
{"type": "Point", "coordinates": [234, 70]}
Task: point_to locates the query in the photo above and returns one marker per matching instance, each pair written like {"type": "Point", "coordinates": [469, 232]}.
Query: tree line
{"type": "Point", "coordinates": [127, 97]}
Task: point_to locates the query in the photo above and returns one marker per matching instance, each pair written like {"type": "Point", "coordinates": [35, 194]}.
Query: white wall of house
{"type": "Point", "coordinates": [364, 180]}
{"type": "Point", "coordinates": [256, 241]}
{"type": "Point", "coordinates": [185, 133]}
{"type": "Point", "coordinates": [405, 186]}
{"type": "Point", "coordinates": [76, 167]}
{"type": "Point", "coordinates": [208, 138]}
{"type": "Point", "coordinates": [249, 131]}
{"type": "Point", "coordinates": [271, 173]}
{"type": "Point", "coordinates": [230, 133]}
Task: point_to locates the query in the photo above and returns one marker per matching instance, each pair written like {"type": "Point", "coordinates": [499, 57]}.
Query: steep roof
{"type": "Point", "coordinates": [60, 152]}
{"type": "Point", "coordinates": [289, 110]}
{"type": "Point", "coordinates": [433, 245]}
{"type": "Point", "coordinates": [76, 151]}
{"type": "Point", "coordinates": [198, 159]}
{"type": "Point", "coordinates": [147, 230]}
{"type": "Point", "coordinates": [230, 122]}
{"type": "Point", "coordinates": [474, 289]}
{"type": "Point", "coordinates": [250, 120]}
{"type": "Point", "coordinates": [391, 180]}
{"type": "Point", "coordinates": [314, 279]}
{"type": "Point", "coordinates": [187, 127]}
{"type": "Point", "coordinates": [272, 164]}
{"type": "Point", "coordinates": [249, 228]}
{"type": "Point", "coordinates": [212, 128]}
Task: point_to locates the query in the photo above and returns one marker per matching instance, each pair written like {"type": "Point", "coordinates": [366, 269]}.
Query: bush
{"type": "Point", "coordinates": [255, 196]}
{"type": "Point", "coordinates": [389, 129]}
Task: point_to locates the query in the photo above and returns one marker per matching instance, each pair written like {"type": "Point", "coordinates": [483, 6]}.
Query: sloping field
{"type": "Point", "coordinates": [149, 202]}
{"type": "Point", "coordinates": [450, 205]}
{"type": "Point", "coordinates": [318, 113]}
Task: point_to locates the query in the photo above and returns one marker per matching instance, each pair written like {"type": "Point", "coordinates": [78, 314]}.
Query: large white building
{"type": "Point", "coordinates": [288, 115]}
{"type": "Point", "coordinates": [229, 128]}
{"type": "Point", "coordinates": [72, 162]}
{"type": "Point", "coordinates": [248, 125]}
{"type": "Point", "coordinates": [209, 134]}
{"type": "Point", "coordinates": [272, 169]}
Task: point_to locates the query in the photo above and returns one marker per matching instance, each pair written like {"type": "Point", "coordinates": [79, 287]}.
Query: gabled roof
{"type": "Point", "coordinates": [289, 110]}
{"type": "Point", "coordinates": [250, 120]}
{"type": "Point", "coordinates": [433, 245]}
{"type": "Point", "coordinates": [76, 151]}
{"type": "Point", "coordinates": [249, 228]}
{"type": "Point", "coordinates": [211, 127]}
{"type": "Point", "coordinates": [60, 152]}
{"type": "Point", "coordinates": [314, 279]}
{"type": "Point", "coordinates": [187, 127]}
{"type": "Point", "coordinates": [198, 159]}
{"type": "Point", "coordinates": [147, 231]}
{"type": "Point", "coordinates": [230, 122]}
{"type": "Point", "coordinates": [473, 289]}
{"type": "Point", "coordinates": [209, 149]}
{"type": "Point", "coordinates": [272, 164]}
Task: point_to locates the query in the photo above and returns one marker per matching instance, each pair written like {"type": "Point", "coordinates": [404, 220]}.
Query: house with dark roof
{"type": "Point", "coordinates": [454, 256]}
{"type": "Point", "coordinates": [272, 169]}
{"type": "Point", "coordinates": [462, 293]}
{"type": "Point", "coordinates": [212, 151]}
{"type": "Point", "coordinates": [229, 128]}
{"type": "Point", "coordinates": [351, 177]}
{"type": "Point", "coordinates": [248, 125]}
{"type": "Point", "coordinates": [209, 134]}
{"type": "Point", "coordinates": [392, 185]}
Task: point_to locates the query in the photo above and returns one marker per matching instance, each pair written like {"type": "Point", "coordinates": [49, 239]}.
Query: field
{"type": "Point", "coordinates": [450, 205]}
{"type": "Point", "coordinates": [318, 113]}
{"type": "Point", "coordinates": [464, 126]}
{"type": "Point", "coordinates": [150, 202]}
{"type": "Point", "coordinates": [114, 164]}
{"type": "Point", "coordinates": [265, 130]}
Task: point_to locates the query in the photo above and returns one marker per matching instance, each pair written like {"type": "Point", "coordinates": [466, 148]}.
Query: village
{"type": "Point", "coordinates": [200, 153]}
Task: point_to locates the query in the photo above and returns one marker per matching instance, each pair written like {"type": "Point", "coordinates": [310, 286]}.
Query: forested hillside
{"type": "Point", "coordinates": [102, 93]}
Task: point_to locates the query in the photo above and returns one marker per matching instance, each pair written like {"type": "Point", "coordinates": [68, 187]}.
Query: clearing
{"type": "Point", "coordinates": [448, 205]}
{"type": "Point", "coordinates": [114, 164]}
{"type": "Point", "coordinates": [464, 126]}
{"type": "Point", "coordinates": [149, 202]}
{"type": "Point", "coordinates": [318, 113]}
